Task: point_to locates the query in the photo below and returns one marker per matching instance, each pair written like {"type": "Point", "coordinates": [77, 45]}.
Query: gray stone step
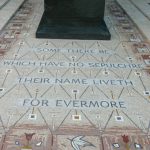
{"type": "Point", "coordinates": [138, 17]}
{"type": "Point", "coordinates": [8, 10]}
{"type": "Point", "coordinates": [143, 6]}
{"type": "Point", "coordinates": [3, 3]}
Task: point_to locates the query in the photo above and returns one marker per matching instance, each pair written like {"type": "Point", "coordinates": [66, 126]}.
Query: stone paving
{"type": "Point", "coordinates": [74, 94]}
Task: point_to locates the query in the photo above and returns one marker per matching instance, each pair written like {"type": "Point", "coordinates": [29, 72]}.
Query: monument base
{"type": "Point", "coordinates": [72, 29]}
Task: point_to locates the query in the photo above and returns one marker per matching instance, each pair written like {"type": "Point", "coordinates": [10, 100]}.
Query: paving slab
{"type": "Point", "coordinates": [136, 14]}
{"type": "Point", "coordinates": [8, 8]}
{"type": "Point", "coordinates": [74, 94]}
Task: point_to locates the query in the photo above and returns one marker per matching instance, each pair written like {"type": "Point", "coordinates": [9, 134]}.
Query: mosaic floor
{"type": "Point", "coordinates": [72, 94]}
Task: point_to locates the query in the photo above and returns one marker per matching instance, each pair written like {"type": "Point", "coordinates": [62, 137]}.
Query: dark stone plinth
{"type": "Point", "coordinates": [73, 19]}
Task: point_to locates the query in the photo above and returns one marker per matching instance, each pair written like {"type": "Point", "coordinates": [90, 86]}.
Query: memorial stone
{"type": "Point", "coordinates": [73, 19]}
